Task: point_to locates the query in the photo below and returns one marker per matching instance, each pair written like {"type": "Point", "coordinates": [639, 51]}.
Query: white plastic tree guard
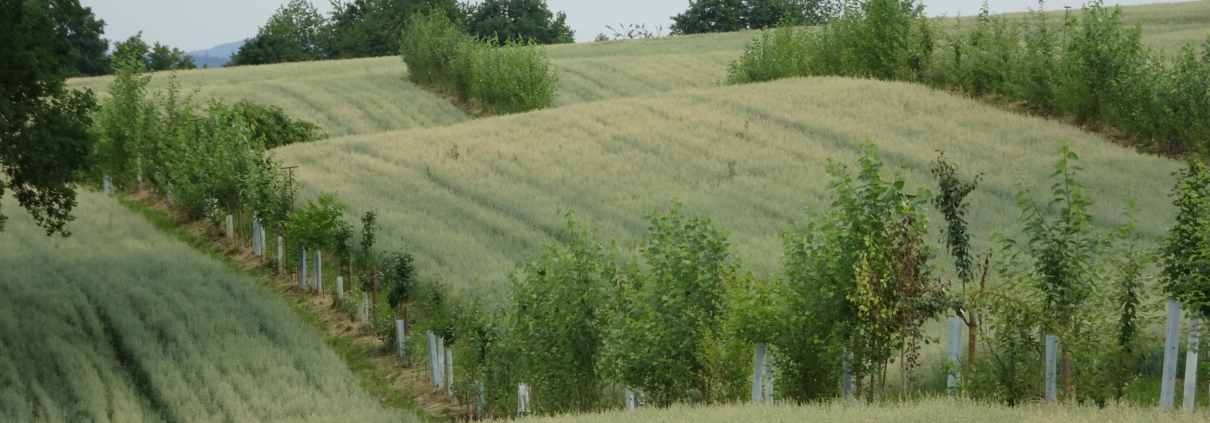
{"type": "Point", "coordinates": [230, 227]}
{"type": "Point", "coordinates": [279, 255]}
{"type": "Point", "coordinates": [302, 267]}
{"type": "Point", "coordinates": [1051, 351]}
{"type": "Point", "coordinates": [432, 347]}
{"type": "Point", "coordinates": [257, 250]}
{"type": "Point", "coordinates": [1171, 346]}
{"type": "Point", "coordinates": [1191, 363]}
{"type": "Point", "coordinates": [317, 273]}
{"type": "Point", "coordinates": [440, 366]}
{"type": "Point", "coordinates": [448, 379]}
{"type": "Point", "coordinates": [629, 399]}
{"type": "Point", "coordinates": [846, 377]}
{"type": "Point", "coordinates": [398, 332]}
{"type": "Point", "coordinates": [522, 399]}
{"type": "Point", "coordinates": [479, 400]}
{"type": "Point", "coordinates": [758, 372]}
{"type": "Point", "coordinates": [953, 348]}
{"type": "Point", "coordinates": [340, 288]}
{"type": "Point", "coordinates": [768, 379]}
{"type": "Point", "coordinates": [107, 185]}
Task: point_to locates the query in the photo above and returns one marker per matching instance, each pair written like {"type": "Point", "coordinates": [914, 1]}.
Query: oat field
{"type": "Point", "coordinates": [472, 199]}
{"type": "Point", "coordinates": [120, 323]}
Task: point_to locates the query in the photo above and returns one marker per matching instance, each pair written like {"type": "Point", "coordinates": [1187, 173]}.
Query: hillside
{"type": "Point", "coordinates": [121, 323]}
{"type": "Point", "coordinates": [471, 200]}
{"type": "Point", "coordinates": [367, 96]}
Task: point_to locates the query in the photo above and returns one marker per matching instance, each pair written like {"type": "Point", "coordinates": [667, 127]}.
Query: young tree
{"type": "Point", "coordinates": [518, 20]}
{"type": "Point", "coordinates": [133, 47]}
{"type": "Point", "coordinates": [44, 136]}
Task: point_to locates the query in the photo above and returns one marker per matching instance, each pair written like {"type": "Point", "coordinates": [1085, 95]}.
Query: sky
{"type": "Point", "coordinates": [201, 24]}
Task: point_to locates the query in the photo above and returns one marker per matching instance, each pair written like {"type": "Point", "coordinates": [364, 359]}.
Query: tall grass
{"type": "Point", "coordinates": [751, 157]}
{"type": "Point", "coordinates": [930, 410]}
{"type": "Point", "coordinates": [121, 323]}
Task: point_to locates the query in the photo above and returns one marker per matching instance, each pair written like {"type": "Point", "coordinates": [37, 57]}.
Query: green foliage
{"type": "Point", "coordinates": [883, 39]}
{"type": "Point", "coordinates": [513, 78]}
{"type": "Point", "coordinates": [80, 31]}
{"type": "Point", "coordinates": [704, 16]}
{"type": "Point", "coordinates": [857, 281]}
{"type": "Point", "coordinates": [368, 230]}
{"type": "Point", "coordinates": [272, 127]}
{"type": "Point", "coordinates": [400, 279]}
{"type": "Point", "coordinates": [125, 123]}
{"type": "Point", "coordinates": [44, 137]}
{"type": "Point", "coordinates": [671, 326]}
{"type": "Point", "coordinates": [951, 201]}
{"type": "Point", "coordinates": [1050, 288]}
{"type": "Point", "coordinates": [561, 307]}
{"type": "Point", "coordinates": [372, 28]}
{"type": "Point", "coordinates": [293, 34]}
{"type": "Point", "coordinates": [314, 225]}
{"type": "Point", "coordinates": [520, 21]}
{"type": "Point", "coordinates": [1093, 68]}
{"type": "Point", "coordinates": [1186, 250]}
{"type": "Point", "coordinates": [154, 58]}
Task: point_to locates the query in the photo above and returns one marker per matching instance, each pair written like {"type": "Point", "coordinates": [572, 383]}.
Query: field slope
{"type": "Point", "coordinates": [120, 323]}
{"type": "Point", "coordinates": [367, 96]}
{"type": "Point", "coordinates": [471, 200]}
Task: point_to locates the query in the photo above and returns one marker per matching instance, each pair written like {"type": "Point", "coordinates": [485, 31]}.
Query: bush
{"type": "Point", "coordinates": [273, 128]}
{"type": "Point", "coordinates": [512, 78]}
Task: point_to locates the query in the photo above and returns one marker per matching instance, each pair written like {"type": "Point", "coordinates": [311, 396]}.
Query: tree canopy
{"type": "Point", "coordinates": [154, 58]}
{"type": "Point", "coordinates": [520, 20]}
{"type": "Point", "coordinates": [371, 28]}
{"type": "Point", "coordinates": [735, 15]}
{"type": "Point", "coordinates": [80, 31]}
{"type": "Point", "coordinates": [44, 137]}
{"type": "Point", "coordinates": [292, 34]}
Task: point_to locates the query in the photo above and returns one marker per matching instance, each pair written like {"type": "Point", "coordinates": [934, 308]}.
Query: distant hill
{"type": "Point", "coordinates": [216, 56]}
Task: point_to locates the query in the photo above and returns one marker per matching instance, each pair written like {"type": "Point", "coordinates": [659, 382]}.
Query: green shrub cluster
{"type": "Point", "coordinates": [1093, 67]}
{"type": "Point", "coordinates": [207, 160]}
{"type": "Point", "coordinates": [511, 78]}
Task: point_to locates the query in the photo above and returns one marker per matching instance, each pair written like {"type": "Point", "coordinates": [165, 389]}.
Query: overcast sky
{"type": "Point", "coordinates": [198, 25]}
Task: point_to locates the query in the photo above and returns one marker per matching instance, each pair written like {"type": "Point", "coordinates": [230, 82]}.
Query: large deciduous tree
{"type": "Point", "coordinates": [77, 28]}
{"type": "Point", "coordinates": [293, 34]}
{"type": "Point", "coordinates": [520, 20]}
{"type": "Point", "coordinates": [734, 15]}
{"type": "Point", "coordinates": [44, 137]}
{"type": "Point", "coordinates": [371, 28]}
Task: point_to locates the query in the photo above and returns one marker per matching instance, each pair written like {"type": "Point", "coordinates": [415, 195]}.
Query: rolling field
{"type": "Point", "coordinates": [368, 96]}
{"type": "Point", "coordinates": [121, 323]}
{"type": "Point", "coordinates": [937, 410]}
{"type": "Point", "coordinates": [470, 201]}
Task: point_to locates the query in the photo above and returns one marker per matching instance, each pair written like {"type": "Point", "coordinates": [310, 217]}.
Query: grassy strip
{"type": "Point", "coordinates": [356, 356]}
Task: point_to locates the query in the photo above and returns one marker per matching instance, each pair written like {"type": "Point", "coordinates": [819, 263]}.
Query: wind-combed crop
{"type": "Point", "coordinates": [1095, 68]}
{"type": "Point", "coordinates": [122, 323]}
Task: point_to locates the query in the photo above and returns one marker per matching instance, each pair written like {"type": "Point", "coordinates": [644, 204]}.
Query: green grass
{"type": "Point", "coordinates": [122, 323]}
{"type": "Point", "coordinates": [470, 220]}
{"type": "Point", "coordinates": [938, 410]}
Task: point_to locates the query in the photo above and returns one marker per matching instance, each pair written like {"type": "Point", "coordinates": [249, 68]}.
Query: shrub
{"type": "Point", "coordinates": [272, 127]}
{"type": "Point", "coordinates": [512, 78]}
